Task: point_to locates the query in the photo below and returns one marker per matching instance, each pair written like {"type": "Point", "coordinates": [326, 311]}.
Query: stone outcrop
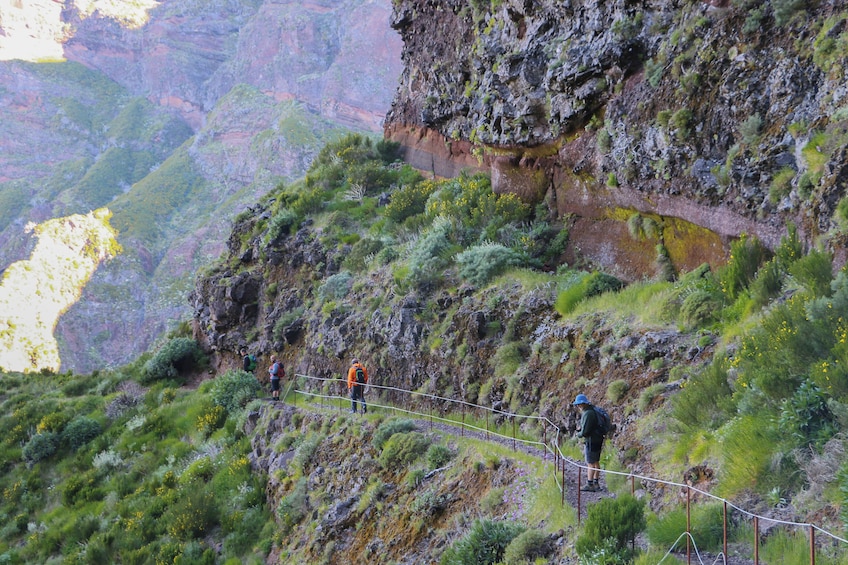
{"type": "Point", "coordinates": [709, 117]}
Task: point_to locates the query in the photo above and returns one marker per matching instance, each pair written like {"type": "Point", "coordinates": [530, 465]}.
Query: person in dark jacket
{"type": "Point", "coordinates": [591, 431]}
{"type": "Point", "coordinates": [248, 364]}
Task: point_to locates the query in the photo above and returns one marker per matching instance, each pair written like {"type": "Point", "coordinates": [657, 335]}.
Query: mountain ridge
{"type": "Point", "coordinates": [255, 90]}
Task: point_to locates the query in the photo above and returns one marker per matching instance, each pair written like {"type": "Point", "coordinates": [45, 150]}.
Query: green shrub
{"type": "Point", "coordinates": [508, 358]}
{"type": "Point", "coordinates": [652, 557]}
{"type": "Point", "coordinates": [616, 519]}
{"type": "Point", "coordinates": [361, 252]}
{"type": "Point", "coordinates": [177, 355]}
{"type": "Point", "coordinates": [79, 489]}
{"type": "Point", "coordinates": [438, 456]}
{"type": "Point", "coordinates": [528, 546]}
{"type": "Point", "coordinates": [647, 396]}
{"type": "Point", "coordinates": [303, 453]}
{"type": "Point", "coordinates": [806, 418]}
{"type": "Point", "coordinates": [234, 389]}
{"type": "Point", "coordinates": [569, 298]}
{"type": "Point", "coordinates": [80, 431]}
{"type": "Point", "coordinates": [706, 527]}
{"type": "Point", "coordinates": [750, 130]}
{"type": "Point", "coordinates": [199, 471]}
{"type": "Point", "coordinates": [785, 9]}
{"type": "Point", "coordinates": [430, 503]}
{"type": "Point", "coordinates": [840, 215]}
{"type": "Point", "coordinates": [432, 253]}
{"type": "Point", "coordinates": [705, 402]}
{"type": "Point", "coordinates": [681, 123]}
{"type": "Point", "coordinates": [403, 449]}
{"type": "Point", "coordinates": [781, 184]}
{"type": "Point", "coordinates": [293, 507]}
{"type": "Point", "coordinates": [388, 428]}
{"type": "Point", "coordinates": [616, 390]}
{"type": "Point", "coordinates": [336, 287]}
{"type": "Point", "coordinates": [599, 283]}
{"type": "Point", "coordinates": [485, 544]}
{"type": "Point", "coordinates": [41, 446]}
{"type": "Point", "coordinates": [281, 224]}
{"type": "Point", "coordinates": [699, 308]}
{"type": "Point", "coordinates": [479, 264]}
{"type": "Point", "coordinates": [814, 272]}
{"type": "Point", "coordinates": [746, 256]}
{"type": "Point", "coordinates": [768, 283]}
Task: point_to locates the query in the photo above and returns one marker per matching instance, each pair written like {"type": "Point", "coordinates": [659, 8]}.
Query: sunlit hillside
{"type": "Point", "coordinates": [35, 292]}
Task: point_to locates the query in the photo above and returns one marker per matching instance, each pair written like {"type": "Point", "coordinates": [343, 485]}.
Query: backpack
{"type": "Point", "coordinates": [604, 422]}
{"type": "Point", "coordinates": [277, 371]}
{"type": "Point", "coordinates": [360, 376]}
{"type": "Point", "coordinates": [251, 362]}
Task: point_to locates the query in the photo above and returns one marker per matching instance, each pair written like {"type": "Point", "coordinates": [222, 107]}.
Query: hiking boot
{"type": "Point", "coordinates": [589, 488]}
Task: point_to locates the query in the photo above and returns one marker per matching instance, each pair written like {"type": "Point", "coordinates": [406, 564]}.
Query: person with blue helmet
{"type": "Point", "coordinates": [590, 429]}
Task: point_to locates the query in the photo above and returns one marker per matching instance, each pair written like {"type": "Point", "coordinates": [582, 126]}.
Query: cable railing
{"type": "Point", "coordinates": [550, 445]}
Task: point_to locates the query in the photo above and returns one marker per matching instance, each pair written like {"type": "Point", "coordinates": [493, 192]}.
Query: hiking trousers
{"type": "Point", "coordinates": [357, 394]}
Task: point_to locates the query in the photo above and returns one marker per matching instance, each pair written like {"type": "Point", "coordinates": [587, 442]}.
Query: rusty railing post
{"type": "Point", "coordinates": [688, 526]}
{"type": "Point", "coordinates": [563, 482]}
{"type": "Point", "coordinates": [578, 495]}
{"type": "Point", "coordinates": [756, 540]}
{"type": "Point", "coordinates": [724, 532]}
{"type": "Point", "coordinates": [513, 432]}
{"type": "Point", "coordinates": [812, 545]}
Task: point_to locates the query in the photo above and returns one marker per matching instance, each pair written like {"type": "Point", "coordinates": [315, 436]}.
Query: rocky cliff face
{"type": "Point", "coordinates": [449, 342]}
{"type": "Point", "coordinates": [254, 88]}
{"type": "Point", "coordinates": [715, 119]}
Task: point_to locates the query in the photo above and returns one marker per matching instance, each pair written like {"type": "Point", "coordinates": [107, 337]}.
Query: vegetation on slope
{"type": "Point", "coordinates": [98, 468]}
{"type": "Point", "coordinates": [768, 413]}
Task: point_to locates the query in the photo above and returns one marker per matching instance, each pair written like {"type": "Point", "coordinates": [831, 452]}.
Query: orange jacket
{"type": "Point", "coordinates": [351, 374]}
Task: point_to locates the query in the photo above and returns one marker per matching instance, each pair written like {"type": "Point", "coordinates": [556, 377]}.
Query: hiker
{"type": "Point", "coordinates": [276, 372]}
{"type": "Point", "coordinates": [590, 428]}
{"type": "Point", "coordinates": [248, 361]}
{"type": "Point", "coordinates": [357, 377]}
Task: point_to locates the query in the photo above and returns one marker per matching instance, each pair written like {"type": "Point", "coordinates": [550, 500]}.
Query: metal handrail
{"type": "Point", "coordinates": [559, 456]}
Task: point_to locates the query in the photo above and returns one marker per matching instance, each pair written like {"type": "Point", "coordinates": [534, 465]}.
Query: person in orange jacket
{"type": "Point", "coordinates": [357, 378]}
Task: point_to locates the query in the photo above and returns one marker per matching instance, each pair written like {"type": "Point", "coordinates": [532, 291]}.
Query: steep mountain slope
{"type": "Point", "coordinates": [182, 114]}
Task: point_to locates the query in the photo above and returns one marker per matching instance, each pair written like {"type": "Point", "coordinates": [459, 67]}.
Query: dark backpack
{"type": "Point", "coordinates": [277, 371]}
{"type": "Point", "coordinates": [604, 422]}
{"type": "Point", "coordinates": [360, 376]}
{"type": "Point", "coordinates": [251, 362]}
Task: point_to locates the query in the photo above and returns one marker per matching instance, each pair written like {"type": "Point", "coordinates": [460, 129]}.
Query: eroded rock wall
{"type": "Point", "coordinates": [724, 117]}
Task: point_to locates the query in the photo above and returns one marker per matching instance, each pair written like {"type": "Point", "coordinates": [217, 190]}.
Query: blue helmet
{"type": "Point", "coordinates": [581, 399]}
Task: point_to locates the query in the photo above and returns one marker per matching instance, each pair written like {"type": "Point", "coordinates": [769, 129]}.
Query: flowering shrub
{"type": "Point", "coordinates": [211, 419]}
{"type": "Point", "coordinates": [193, 516]}
{"type": "Point", "coordinates": [410, 200]}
